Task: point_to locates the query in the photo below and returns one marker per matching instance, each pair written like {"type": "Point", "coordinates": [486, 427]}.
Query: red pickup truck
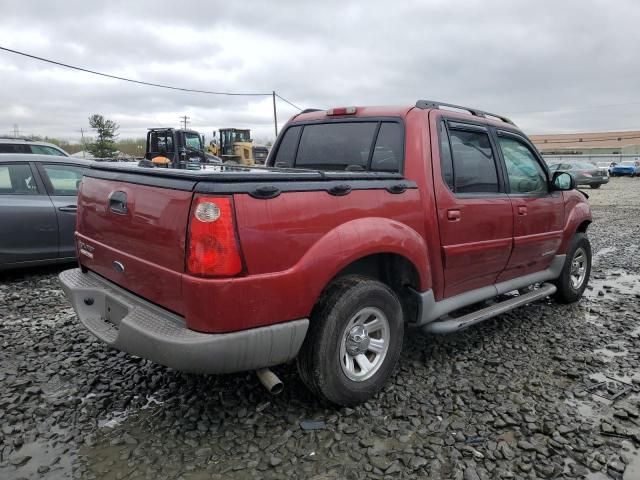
{"type": "Point", "coordinates": [365, 221]}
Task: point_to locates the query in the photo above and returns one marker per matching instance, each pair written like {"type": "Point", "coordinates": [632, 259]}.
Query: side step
{"type": "Point", "coordinates": [457, 324]}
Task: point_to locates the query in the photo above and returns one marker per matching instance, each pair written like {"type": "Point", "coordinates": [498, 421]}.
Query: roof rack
{"type": "Point", "coordinates": [473, 111]}
{"type": "Point", "coordinates": [309, 110]}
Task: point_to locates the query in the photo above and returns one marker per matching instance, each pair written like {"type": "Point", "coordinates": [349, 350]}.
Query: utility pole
{"type": "Point", "coordinates": [184, 120]}
{"type": "Point", "coordinates": [16, 130]}
{"type": "Point", "coordinates": [275, 115]}
{"type": "Point", "coordinates": [84, 145]}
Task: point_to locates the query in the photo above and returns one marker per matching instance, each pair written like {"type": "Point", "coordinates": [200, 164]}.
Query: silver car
{"type": "Point", "coordinates": [24, 145]}
{"type": "Point", "coordinates": [38, 208]}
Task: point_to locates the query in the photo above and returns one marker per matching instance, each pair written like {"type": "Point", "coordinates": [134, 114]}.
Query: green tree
{"type": "Point", "coordinates": [106, 131]}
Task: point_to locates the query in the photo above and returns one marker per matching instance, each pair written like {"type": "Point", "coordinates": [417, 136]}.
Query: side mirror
{"type": "Point", "coordinates": [563, 181]}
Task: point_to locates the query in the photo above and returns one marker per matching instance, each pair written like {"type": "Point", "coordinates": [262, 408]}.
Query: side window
{"type": "Point", "coordinates": [44, 150]}
{"type": "Point", "coordinates": [65, 179]}
{"type": "Point", "coordinates": [287, 149]}
{"type": "Point", "coordinates": [387, 153]}
{"type": "Point", "coordinates": [524, 171]}
{"type": "Point", "coordinates": [473, 162]}
{"type": "Point", "coordinates": [17, 179]}
{"type": "Point", "coordinates": [14, 148]}
{"type": "Point", "coordinates": [446, 162]}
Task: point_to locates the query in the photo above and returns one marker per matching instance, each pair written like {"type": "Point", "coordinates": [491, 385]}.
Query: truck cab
{"type": "Point", "coordinates": [175, 148]}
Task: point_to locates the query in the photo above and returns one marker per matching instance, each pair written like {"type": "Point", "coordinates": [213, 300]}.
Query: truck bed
{"type": "Point", "coordinates": [286, 222]}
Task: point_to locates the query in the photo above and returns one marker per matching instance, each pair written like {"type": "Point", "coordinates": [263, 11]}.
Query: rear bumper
{"type": "Point", "coordinates": [127, 322]}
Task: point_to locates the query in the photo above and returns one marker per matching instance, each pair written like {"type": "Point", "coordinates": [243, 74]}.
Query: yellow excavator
{"type": "Point", "coordinates": [233, 145]}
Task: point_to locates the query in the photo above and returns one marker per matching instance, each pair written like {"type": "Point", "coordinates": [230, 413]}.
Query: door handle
{"type": "Point", "coordinates": [68, 208]}
{"type": "Point", "coordinates": [453, 215]}
{"type": "Point", "coordinates": [522, 210]}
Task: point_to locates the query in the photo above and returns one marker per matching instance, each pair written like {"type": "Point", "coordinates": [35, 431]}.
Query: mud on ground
{"type": "Point", "coordinates": [547, 391]}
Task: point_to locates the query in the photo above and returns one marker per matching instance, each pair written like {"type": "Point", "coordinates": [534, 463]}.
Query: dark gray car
{"type": "Point", "coordinates": [585, 173]}
{"type": "Point", "coordinates": [38, 208]}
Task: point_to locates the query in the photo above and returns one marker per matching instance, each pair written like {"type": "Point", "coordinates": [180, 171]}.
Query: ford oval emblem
{"type": "Point", "coordinates": [118, 266]}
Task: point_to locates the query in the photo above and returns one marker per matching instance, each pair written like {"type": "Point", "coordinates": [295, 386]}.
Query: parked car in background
{"type": "Point", "coordinates": [605, 166]}
{"type": "Point", "coordinates": [22, 145]}
{"type": "Point", "coordinates": [38, 208]}
{"type": "Point", "coordinates": [585, 173]}
{"type": "Point", "coordinates": [626, 167]}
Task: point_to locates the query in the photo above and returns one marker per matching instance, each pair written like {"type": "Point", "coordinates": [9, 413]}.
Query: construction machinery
{"type": "Point", "coordinates": [233, 145]}
{"type": "Point", "coordinates": [176, 148]}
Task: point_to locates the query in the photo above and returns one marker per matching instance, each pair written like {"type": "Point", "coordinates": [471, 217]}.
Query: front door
{"type": "Point", "coordinates": [538, 212]}
{"type": "Point", "coordinates": [28, 225]}
{"type": "Point", "coordinates": [475, 217]}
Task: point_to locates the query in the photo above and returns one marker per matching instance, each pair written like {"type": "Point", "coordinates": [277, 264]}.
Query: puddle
{"type": "Point", "coordinates": [53, 454]}
{"type": "Point", "coordinates": [592, 318]}
{"type": "Point", "coordinates": [632, 472]}
{"type": "Point", "coordinates": [116, 418]}
{"type": "Point", "coordinates": [610, 353]}
{"type": "Point", "coordinates": [618, 282]}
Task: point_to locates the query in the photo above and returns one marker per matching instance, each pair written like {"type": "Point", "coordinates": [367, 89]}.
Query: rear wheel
{"type": "Point", "coordinates": [575, 274]}
{"type": "Point", "coordinates": [595, 185]}
{"type": "Point", "coordinates": [354, 341]}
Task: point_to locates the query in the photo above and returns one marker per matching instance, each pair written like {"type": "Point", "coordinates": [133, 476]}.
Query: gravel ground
{"type": "Point", "coordinates": [520, 396]}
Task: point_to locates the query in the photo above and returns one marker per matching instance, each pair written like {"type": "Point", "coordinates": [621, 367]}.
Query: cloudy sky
{"type": "Point", "coordinates": [553, 66]}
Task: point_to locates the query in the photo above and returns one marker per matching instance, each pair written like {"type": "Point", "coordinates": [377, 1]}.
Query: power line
{"type": "Point", "coordinates": [272, 94]}
{"type": "Point", "coordinates": [287, 101]}
{"type": "Point", "coordinates": [140, 82]}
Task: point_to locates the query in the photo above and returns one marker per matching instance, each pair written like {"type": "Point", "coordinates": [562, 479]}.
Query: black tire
{"type": "Point", "coordinates": [595, 185]}
{"type": "Point", "coordinates": [568, 291]}
{"type": "Point", "coordinates": [320, 360]}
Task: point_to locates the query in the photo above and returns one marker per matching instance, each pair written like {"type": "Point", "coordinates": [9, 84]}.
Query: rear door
{"type": "Point", "coordinates": [62, 182]}
{"type": "Point", "coordinates": [474, 212]}
{"type": "Point", "coordinates": [538, 212]}
{"type": "Point", "coordinates": [28, 224]}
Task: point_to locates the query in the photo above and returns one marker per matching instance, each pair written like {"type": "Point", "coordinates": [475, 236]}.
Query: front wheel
{"type": "Point", "coordinates": [354, 341]}
{"type": "Point", "coordinates": [595, 185]}
{"type": "Point", "coordinates": [573, 280]}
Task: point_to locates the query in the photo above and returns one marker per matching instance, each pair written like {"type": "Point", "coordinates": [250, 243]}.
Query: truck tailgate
{"type": "Point", "coordinates": [134, 235]}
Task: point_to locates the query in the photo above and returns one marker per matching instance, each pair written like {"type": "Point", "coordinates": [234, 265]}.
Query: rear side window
{"type": "Point", "coordinates": [387, 155]}
{"type": "Point", "coordinates": [17, 179]}
{"type": "Point", "coordinates": [446, 162]}
{"type": "Point", "coordinates": [64, 179]}
{"type": "Point", "coordinates": [287, 150]}
{"type": "Point", "coordinates": [473, 162]}
{"type": "Point", "coordinates": [14, 148]}
{"type": "Point", "coordinates": [376, 146]}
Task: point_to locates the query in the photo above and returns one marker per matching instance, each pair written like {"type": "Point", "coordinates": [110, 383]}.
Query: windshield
{"type": "Point", "coordinates": [231, 136]}
{"type": "Point", "coordinates": [627, 163]}
{"type": "Point", "coordinates": [192, 140]}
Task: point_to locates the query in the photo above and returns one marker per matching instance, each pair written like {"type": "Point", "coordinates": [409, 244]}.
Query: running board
{"type": "Point", "coordinates": [457, 324]}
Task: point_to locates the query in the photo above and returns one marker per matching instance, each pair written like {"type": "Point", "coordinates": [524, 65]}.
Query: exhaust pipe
{"type": "Point", "coordinates": [270, 381]}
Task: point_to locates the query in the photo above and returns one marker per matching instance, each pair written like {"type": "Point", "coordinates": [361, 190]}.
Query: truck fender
{"type": "Point", "coordinates": [356, 239]}
{"type": "Point", "coordinates": [578, 214]}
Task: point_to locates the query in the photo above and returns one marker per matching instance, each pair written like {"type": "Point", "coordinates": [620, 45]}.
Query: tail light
{"type": "Point", "coordinates": [213, 249]}
{"type": "Point", "coordinates": [341, 111]}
